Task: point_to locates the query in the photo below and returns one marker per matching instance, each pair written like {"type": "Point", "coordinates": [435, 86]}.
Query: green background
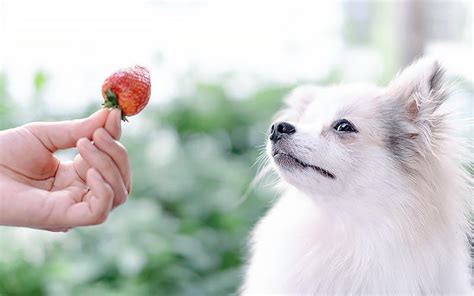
{"type": "Point", "coordinates": [185, 227]}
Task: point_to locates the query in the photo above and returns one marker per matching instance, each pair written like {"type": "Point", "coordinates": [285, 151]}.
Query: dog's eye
{"type": "Point", "coordinates": [344, 126]}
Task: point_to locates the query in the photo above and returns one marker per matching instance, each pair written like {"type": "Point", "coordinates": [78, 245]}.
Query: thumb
{"type": "Point", "coordinates": [64, 134]}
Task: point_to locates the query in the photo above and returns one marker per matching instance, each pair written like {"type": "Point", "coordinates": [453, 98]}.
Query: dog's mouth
{"type": "Point", "coordinates": [287, 160]}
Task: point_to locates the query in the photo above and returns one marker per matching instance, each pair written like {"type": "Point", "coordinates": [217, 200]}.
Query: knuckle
{"type": "Point", "coordinates": [122, 151]}
{"type": "Point", "coordinates": [32, 127]}
{"type": "Point", "coordinates": [100, 217]}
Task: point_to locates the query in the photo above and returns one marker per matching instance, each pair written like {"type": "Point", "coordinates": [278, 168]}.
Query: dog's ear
{"type": "Point", "coordinates": [420, 88]}
{"type": "Point", "coordinates": [414, 124]}
{"type": "Point", "coordinates": [296, 101]}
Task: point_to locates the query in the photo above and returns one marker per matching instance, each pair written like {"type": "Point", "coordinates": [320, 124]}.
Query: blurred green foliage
{"type": "Point", "coordinates": [184, 229]}
{"type": "Point", "coordinates": [39, 81]}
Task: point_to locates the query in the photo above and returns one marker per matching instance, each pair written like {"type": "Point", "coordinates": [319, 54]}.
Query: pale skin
{"type": "Point", "coordinates": [37, 190]}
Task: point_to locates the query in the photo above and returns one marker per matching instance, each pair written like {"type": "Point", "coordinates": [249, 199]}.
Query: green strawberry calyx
{"type": "Point", "coordinates": [112, 102]}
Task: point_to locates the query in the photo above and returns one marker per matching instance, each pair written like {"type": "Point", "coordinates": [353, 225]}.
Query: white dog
{"type": "Point", "coordinates": [377, 200]}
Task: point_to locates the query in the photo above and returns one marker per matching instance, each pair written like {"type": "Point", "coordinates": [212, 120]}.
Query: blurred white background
{"type": "Point", "coordinates": [78, 43]}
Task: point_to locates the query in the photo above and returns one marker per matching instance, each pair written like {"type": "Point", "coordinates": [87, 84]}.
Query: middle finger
{"type": "Point", "coordinates": [106, 167]}
{"type": "Point", "coordinates": [104, 141]}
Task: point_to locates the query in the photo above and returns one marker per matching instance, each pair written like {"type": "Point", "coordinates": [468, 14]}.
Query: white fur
{"type": "Point", "coordinates": [385, 225]}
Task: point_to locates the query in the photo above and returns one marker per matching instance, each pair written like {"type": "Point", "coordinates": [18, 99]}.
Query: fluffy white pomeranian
{"type": "Point", "coordinates": [377, 198]}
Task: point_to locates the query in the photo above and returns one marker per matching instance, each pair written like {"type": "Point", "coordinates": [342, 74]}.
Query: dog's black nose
{"type": "Point", "coordinates": [279, 129]}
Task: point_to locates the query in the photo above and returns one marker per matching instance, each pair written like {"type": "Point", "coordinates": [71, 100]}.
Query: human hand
{"type": "Point", "coordinates": [38, 190]}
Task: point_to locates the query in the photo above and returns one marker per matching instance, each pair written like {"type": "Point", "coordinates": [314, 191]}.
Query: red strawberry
{"type": "Point", "coordinates": [127, 89]}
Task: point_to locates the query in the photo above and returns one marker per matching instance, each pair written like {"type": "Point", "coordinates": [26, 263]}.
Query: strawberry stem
{"type": "Point", "coordinates": [111, 102]}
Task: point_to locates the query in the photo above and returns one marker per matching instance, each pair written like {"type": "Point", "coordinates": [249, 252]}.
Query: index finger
{"type": "Point", "coordinates": [64, 134]}
{"type": "Point", "coordinates": [113, 124]}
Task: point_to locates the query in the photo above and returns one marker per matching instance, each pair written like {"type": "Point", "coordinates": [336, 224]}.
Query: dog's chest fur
{"type": "Point", "coordinates": [299, 250]}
